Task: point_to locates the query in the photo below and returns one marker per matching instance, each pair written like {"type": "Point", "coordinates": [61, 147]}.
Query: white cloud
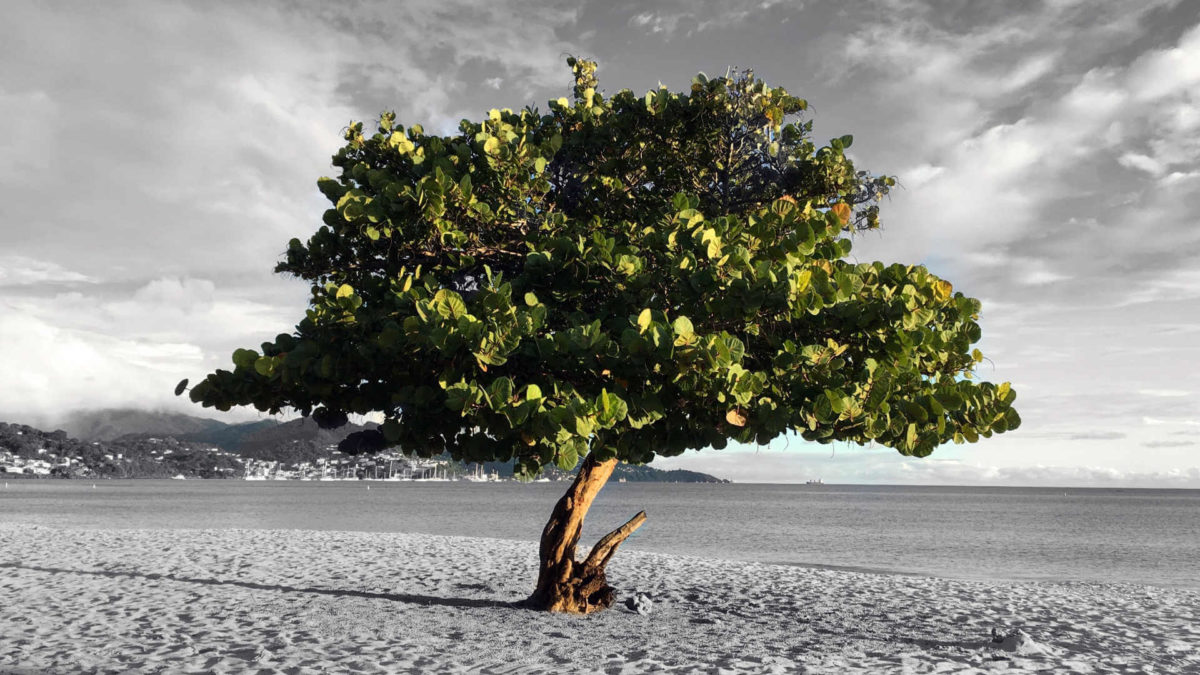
{"type": "Point", "coordinates": [1164, 72]}
{"type": "Point", "coordinates": [1156, 421]}
{"type": "Point", "coordinates": [160, 159]}
{"type": "Point", "coordinates": [1141, 162]}
{"type": "Point", "coordinates": [856, 465]}
{"type": "Point", "coordinates": [104, 347]}
{"type": "Point", "coordinates": [16, 270]}
{"type": "Point", "coordinates": [53, 369]}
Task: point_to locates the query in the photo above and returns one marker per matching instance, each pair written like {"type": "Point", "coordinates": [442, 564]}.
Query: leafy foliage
{"type": "Point", "coordinates": [629, 276]}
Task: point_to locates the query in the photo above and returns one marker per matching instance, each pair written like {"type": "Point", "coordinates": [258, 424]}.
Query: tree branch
{"type": "Point", "coordinates": [607, 546]}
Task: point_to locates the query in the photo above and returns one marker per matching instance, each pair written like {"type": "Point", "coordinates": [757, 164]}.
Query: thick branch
{"type": "Point", "coordinates": [561, 535]}
{"type": "Point", "coordinates": [604, 549]}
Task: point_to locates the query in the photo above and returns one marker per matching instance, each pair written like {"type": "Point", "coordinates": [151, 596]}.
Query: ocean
{"type": "Point", "coordinates": [998, 534]}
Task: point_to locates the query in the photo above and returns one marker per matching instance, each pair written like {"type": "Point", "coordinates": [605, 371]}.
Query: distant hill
{"type": "Point", "coordinates": [293, 442]}
{"type": "Point", "coordinates": [109, 424]}
{"type": "Point", "coordinates": [28, 452]}
{"type": "Point", "coordinates": [627, 472]}
{"type": "Point", "coordinates": [265, 439]}
{"type": "Point", "coordinates": [230, 437]}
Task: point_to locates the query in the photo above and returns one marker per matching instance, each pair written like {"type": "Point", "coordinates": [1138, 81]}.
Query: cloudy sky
{"type": "Point", "coordinates": [157, 158]}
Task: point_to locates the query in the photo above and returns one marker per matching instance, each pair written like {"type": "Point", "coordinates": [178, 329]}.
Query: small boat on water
{"type": "Point", "coordinates": [179, 476]}
{"type": "Point", "coordinates": [477, 476]}
{"type": "Point", "coordinates": [813, 482]}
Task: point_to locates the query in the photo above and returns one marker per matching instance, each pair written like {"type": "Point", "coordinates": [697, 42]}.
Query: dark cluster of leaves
{"type": "Point", "coordinates": [631, 276]}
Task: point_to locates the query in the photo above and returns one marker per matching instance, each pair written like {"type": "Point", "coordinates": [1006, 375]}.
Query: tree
{"type": "Point", "coordinates": [616, 279]}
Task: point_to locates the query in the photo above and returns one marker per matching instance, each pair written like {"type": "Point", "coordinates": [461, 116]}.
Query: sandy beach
{"type": "Point", "coordinates": [272, 601]}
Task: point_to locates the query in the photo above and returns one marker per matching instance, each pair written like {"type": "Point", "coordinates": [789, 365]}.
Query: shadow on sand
{"type": "Point", "coordinates": [394, 597]}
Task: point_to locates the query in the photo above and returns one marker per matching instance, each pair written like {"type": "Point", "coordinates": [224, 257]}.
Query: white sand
{"type": "Point", "coordinates": [198, 601]}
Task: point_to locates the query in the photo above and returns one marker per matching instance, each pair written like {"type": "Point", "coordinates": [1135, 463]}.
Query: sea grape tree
{"type": "Point", "coordinates": [614, 279]}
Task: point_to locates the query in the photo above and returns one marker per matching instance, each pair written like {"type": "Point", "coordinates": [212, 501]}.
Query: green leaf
{"type": "Point", "coordinates": [837, 401]}
{"type": "Point", "coordinates": [352, 210]}
{"type": "Point", "coordinates": [244, 358]}
{"type": "Point", "coordinates": [345, 291]}
{"type": "Point", "coordinates": [449, 304]}
{"type": "Point", "coordinates": [612, 409]}
{"type": "Point", "coordinates": [567, 457]}
{"type": "Point", "coordinates": [533, 393]}
{"type": "Point", "coordinates": [458, 395]}
{"type": "Point", "coordinates": [531, 299]}
{"type": "Point", "coordinates": [264, 366]}
{"type": "Point", "coordinates": [492, 145]}
{"type": "Point", "coordinates": [539, 165]}
{"type": "Point", "coordinates": [584, 426]}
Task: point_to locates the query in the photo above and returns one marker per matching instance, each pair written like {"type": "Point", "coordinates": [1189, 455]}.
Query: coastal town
{"type": "Point", "coordinates": [30, 453]}
{"type": "Point", "coordinates": [37, 454]}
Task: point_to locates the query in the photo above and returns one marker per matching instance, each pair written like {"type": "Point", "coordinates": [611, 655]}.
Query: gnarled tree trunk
{"type": "Point", "coordinates": [564, 583]}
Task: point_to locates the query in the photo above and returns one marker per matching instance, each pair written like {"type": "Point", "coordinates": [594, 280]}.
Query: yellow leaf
{"type": "Point", "coordinates": [942, 290]}
{"type": "Point", "coordinates": [842, 211]}
{"type": "Point", "coordinates": [736, 417]}
{"type": "Point", "coordinates": [643, 320]}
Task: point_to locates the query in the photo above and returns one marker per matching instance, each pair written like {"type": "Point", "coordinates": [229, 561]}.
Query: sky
{"type": "Point", "coordinates": [158, 157]}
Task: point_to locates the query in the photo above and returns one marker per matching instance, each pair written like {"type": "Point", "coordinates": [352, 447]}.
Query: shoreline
{"type": "Point", "coordinates": [134, 600]}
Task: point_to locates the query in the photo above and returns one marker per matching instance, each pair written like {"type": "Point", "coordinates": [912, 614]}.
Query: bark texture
{"type": "Point", "coordinates": [564, 583]}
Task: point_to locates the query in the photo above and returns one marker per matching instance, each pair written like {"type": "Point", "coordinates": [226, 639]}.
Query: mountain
{"type": "Point", "coordinates": [264, 439]}
{"type": "Point", "coordinates": [29, 452]}
{"type": "Point", "coordinates": [112, 423]}
{"type": "Point", "coordinates": [295, 441]}
{"type": "Point", "coordinates": [292, 442]}
{"type": "Point", "coordinates": [230, 437]}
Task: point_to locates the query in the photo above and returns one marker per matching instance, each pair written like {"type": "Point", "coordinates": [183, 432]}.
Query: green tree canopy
{"type": "Point", "coordinates": [630, 276]}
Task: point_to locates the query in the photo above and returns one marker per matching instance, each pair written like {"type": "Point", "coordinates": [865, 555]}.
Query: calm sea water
{"type": "Point", "coordinates": [1135, 536]}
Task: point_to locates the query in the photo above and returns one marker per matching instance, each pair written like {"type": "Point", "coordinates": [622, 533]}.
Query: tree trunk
{"type": "Point", "coordinates": [565, 584]}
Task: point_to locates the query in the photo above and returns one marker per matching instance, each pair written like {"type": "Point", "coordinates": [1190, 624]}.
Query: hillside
{"type": "Point", "coordinates": [29, 452]}
{"type": "Point", "coordinates": [203, 447]}
{"type": "Point", "coordinates": [295, 441]}
{"type": "Point", "coordinates": [112, 423]}
{"type": "Point", "coordinates": [229, 437]}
